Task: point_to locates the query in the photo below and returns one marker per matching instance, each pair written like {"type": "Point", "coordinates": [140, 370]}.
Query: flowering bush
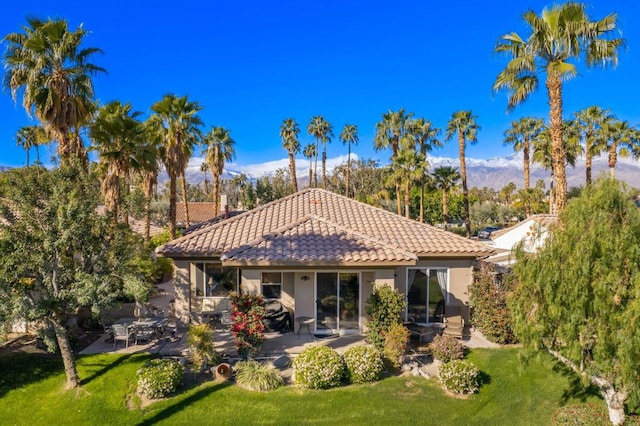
{"type": "Point", "coordinates": [459, 376]}
{"type": "Point", "coordinates": [255, 376]}
{"type": "Point", "coordinates": [318, 367]}
{"type": "Point", "coordinates": [363, 364]}
{"type": "Point", "coordinates": [248, 328]}
{"type": "Point", "coordinates": [384, 308]}
{"type": "Point", "coordinates": [446, 348]}
{"type": "Point", "coordinates": [395, 344]}
{"type": "Point", "coordinates": [159, 377]}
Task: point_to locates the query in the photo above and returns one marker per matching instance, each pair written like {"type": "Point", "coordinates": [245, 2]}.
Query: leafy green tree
{"type": "Point", "coordinates": [56, 253]}
{"type": "Point", "coordinates": [322, 131]}
{"type": "Point", "coordinates": [349, 135]}
{"type": "Point", "coordinates": [289, 131]}
{"type": "Point", "coordinates": [590, 124]}
{"type": "Point", "coordinates": [219, 148]}
{"type": "Point", "coordinates": [579, 296]}
{"type": "Point", "coordinates": [444, 179]}
{"type": "Point", "coordinates": [47, 65]}
{"type": "Point", "coordinates": [561, 34]}
{"type": "Point", "coordinates": [174, 126]}
{"type": "Point", "coordinates": [384, 308]}
{"type": "Point", "coordinates": [463, 125]}
{"type": "Point", "coordinates": [426, 137]}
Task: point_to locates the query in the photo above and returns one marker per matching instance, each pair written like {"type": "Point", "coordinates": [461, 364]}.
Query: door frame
{"type": "Point", "coordinates": [315, 305]}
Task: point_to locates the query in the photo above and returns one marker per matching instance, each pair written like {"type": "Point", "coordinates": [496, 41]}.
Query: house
{"type": "Point", "coordinates": [531, 232]}
{"type": "Point", "coordinates": [321, 254]}
{"type": "Point", "coordinates": [198, 212]}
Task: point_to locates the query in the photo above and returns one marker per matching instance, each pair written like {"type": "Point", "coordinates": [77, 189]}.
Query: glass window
{"type": "Point", "coordinates": [426, 294]}
{"type": "Point", "coordinates": [272, 285]}
{"type": "Point", "coordinates": [215, 281]}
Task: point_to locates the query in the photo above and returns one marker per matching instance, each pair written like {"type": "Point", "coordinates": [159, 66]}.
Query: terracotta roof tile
{"type": "Point", "coordinates": [331, 217]}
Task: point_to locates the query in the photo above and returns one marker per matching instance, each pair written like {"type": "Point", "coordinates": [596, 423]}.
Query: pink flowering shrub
{"type": "Point", "coordinates": [248, 329]}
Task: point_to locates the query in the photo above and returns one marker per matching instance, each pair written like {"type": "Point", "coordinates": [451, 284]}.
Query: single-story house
{"type": "Point", "coordinates": [321, 254]}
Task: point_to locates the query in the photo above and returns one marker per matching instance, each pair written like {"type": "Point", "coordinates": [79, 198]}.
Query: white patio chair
{"type": "Point", "coordinates": [122, 332]}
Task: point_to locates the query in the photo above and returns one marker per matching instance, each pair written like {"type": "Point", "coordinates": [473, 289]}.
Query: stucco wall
{"type": "Point", "coordinates": [181, 284]}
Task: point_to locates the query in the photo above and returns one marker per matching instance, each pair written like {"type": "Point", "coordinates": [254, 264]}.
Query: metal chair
{"type": "Point", "coordinates": [144, 333]}
{"type": "Point", "coordinates": [122, 332]}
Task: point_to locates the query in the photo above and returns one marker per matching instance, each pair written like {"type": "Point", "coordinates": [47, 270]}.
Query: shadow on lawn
{"type": "Point", "coordinates": [108, 365]}
{"type": "Point", "coordinates": [21, 369]}
{"type": "Point", "coordinates": [577, 388]}
{"type": "Point", "coordinates": [182, 404]}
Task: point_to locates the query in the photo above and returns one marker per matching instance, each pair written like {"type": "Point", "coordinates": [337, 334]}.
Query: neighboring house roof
{"type": "Point", "coordinates": [532, 232]}
{"type": "Point", "coordinates": [198, 212]}
{"type": "Point", "coordinates": [199, 226]}
{"type": "Point", "coordinates": [317, 226]}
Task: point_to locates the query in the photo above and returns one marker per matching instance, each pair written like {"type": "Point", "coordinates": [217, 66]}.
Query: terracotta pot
{"type": "Point", "coordinates": [223, 371]}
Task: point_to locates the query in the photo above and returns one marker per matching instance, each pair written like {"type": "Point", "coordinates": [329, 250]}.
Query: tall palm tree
{"type": "Point", "coordinates": [561, 34]}
{"type": "Point", "coordinates": [426, 138]}
{"type": "Point", "coordinates": [463, 125]}
{"type": "Point", "coordinates": [46, 64]}
{"type": "Point", "coordinates": [393, 127]}
{"type": "Point", "coordinates": [310, 153]}
{"type": "Point", "coordinates": [322, 131]}
{"type": "Point", "coordinates": [119, 139]}
{"type": "Point", "coordinates": [591, 123]}
{"type": "Point", "coordinates": [29, 137]}
{"type": "Point", "coordinates": [175, 126]}
{"type": "Point", "coordinates": [445, 178]}
{"type": "Point", "coordinates": [520, 135]}
{"type": "Point", "coordinates": [619, 139]}
{"type": "Point", "coordinates": [407, 168]}
{"type": "Point", "coordinates": [349, 135]}
{"type": "Point", "coordinates": [220, 148]}
{"type": "Point", "coordinates": [204, 168]}
{"type": "Point", "coordinates": [148, 171]}
{"type": "Point", "coordinates": [289, 131]}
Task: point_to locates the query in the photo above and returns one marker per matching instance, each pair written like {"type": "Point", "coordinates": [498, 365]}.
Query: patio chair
{"type": "Point", "coordinates": [171, 328]}
{"type": "Point", "coordinates": [454, 325]}
{"type": "Point", "coordinates": [122, 332]}
{"type": "Point", "coordinates": [144, 333]}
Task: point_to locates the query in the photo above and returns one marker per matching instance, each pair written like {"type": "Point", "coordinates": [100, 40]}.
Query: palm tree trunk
{"type": "Point", "coordinates": [216, 191]}
{"type": "Point", "coordinates": [310, 172]}
{"type": "Point", "coordinates": [398, 201]}
{"type": "Point", "coordinates": [186, 202]}
{"type": "Point", "coordinates": [348, 167]}
{"type": "Point", "coordinates": [407, 199]}
{"type": "Point", "coordinates": [324, 166]}
{"type": "Point", "coordinates": [554, 90]}
{"type": "Point", "coordinates": [463, 176]}
{"type": "Point", "coordinates": [588, 161]}
{"type": "Point", "coordinates": [147, 218]}
{"type": "Point", "coordinates": [613, 159]}
{"type": "Point", "coordinates": [73, 381]}
{"type": "Point", "coordinates": [525, 153]}
{"type": "Point", "coordinates": [445, 210]}
{"type": "Point", "coordinates": [292, 168]}
{"type": "Point", "coordinates": [315, 167]}
{"type": "Point", "coordinates": [422, 202]}
{"type": "Point", "coordinates": [173, 196]}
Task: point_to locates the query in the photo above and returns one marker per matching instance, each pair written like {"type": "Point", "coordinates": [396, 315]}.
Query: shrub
{"type": "Point", "coordinates": [363, 364]}
{"type": "Point", "coordinates": [384, 309]}
{"type": "Point", "coordinates": [318, 367]}
{"type": "Point", "coordinates": [395, 344]}
{"type": "Point", "coordinates": [488, 298]}
{"type": "Point", "coordinates": [158, 378]}
{"type": "Point", "coordinates": [459, 376]}
{"type": "Point", "coordinates": [201, 348]}
{"type": "Point", "coordinates": [255, 376]}
{"type": "Point", "coordinates": [247, 313]}
{"type": "Point", "coordinates": [581, 415]}
{"type": "Point", "coordinates": [446, 348]}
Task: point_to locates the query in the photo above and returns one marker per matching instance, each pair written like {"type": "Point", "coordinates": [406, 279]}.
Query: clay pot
{"type": "Point", "coordinates": [223, 372]}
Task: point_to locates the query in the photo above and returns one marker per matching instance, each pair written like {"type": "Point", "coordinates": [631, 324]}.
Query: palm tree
{"type": "Point", "coordinates": [520, 135]}
{"type": "Point", "coordinates": [28, 137]}
{"type": "Point", "coordinates": [148, 171]}
{"type": "Point", "coordinates": [349, 135]}
{"type": "Point", "coordinates": [289, 131]}
{"type": "Point", "coordinates": [463, 124]}
{"type": "Point", "coordinates": [220, 148]}
{"type": "Point", "coordinates": [407, 168]}
{"type": "Point", "coordinates": [445, 178]}
{"type": "Point", "coordinates": [175, 126]}
{"type": "Point", "coordinates": [322, 131]}
{"type": "Point", "coordinates": [562, 33]}
{"type": "Point", "coordinates": [619, 139]}
{"type": "Point", "coordinates": [119, 138]}
{"type": "Point", "coordinates": [591, 123]}
{"type": "Point", "coordinates": [204, 168]}
{"type": "Point", "coordinates": [393, 127]}
{"type": "Point", "coordinates": [427, 138]}
{"type": "Point", "coordinates": [47, 65]}
{"type": "Point", "coordinates": [309, 153]}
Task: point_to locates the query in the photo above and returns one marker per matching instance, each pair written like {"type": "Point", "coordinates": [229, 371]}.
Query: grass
{"type": "Point", "coordinates": [31, 392]}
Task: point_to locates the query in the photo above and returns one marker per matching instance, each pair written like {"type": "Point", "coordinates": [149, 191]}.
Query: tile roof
{"type": "Point", "coordinates": [315, 225]}
{"type": "Point", "coordinates": [198, 212]}
{"type": "Point", "coordinates": [198, 226]}
{"type": "Point", "coordinates": [545, 220]}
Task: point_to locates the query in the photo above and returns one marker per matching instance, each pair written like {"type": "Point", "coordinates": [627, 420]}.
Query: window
{"type": "Point", "coordinates": [215, 281]}
{"type": "Point", "coordinates": [272, 285]}
{"type": "Point", "coordinates": [427, 294]}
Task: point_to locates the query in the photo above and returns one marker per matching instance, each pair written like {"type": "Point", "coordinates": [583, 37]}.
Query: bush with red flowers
{"type": "Point", "coordinates": [248, 328]}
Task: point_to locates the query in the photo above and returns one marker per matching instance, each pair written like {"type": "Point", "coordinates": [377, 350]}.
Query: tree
{"type": "Point", "coordinates": [349, 135]}
{"type": "Point", "coordinates": [579, 296]}
{"type": "Point", "coordinates": [29, 137]}
{"type": "Point", "coordinates": [393, 127]}
{"type": "Point", "coordinates": [618, 139]}
{"type": "Point", "coordinates": [591, 123]}
{"type": "Point", "coordinates": [561, 34]}
{"type": "Point", "coordinates": [322, 131]}
{"type": "Point", "coordinates": [463, 124]}
{"type": "Point", "coordinates": [426, 137]}
{"type": "Point", "coordinates": [445, 178]}
{"type": "Point", "coordinates": [204, 168]}
{"type": "Point", "coordinates": [289, 131]}
{"type": "Point", "coordinates": [119, 138]}
{"type": "Point", "coordinates": [520, 135]}
{"type": "Point", "coordinates": [175, 127]}
{"type": "Point", "coordinates": [310, 153]}
{"type": "Point", "coordinates": [407, 168]}
{"type": "Point", "coordinates": [56, 253]}
{"type": "Point", "coordinates": [47, 65]}
{"type": "Point", "coordinates": [220, 148]}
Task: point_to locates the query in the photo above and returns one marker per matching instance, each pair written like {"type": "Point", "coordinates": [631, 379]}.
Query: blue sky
{"type": "Point", "coordinates": [252, 64]}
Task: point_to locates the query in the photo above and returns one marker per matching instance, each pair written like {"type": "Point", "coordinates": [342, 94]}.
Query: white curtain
{"type": "Point", "coordinates": [442, 282]}
{"type": "Point", "coordinates": [412, 275]}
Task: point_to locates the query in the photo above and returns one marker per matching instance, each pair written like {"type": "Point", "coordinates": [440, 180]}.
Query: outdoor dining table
{"type": "Point", "coordinates": [156, 323]}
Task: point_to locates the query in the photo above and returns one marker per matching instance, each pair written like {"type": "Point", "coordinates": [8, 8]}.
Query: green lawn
{"type": "Point", "coordinates": [31, 393]}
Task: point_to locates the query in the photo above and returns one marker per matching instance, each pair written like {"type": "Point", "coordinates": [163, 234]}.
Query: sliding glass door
{"type": "Point", "coordinates": [337, 302]}
{"type": "Point", "coordinates": [426, 294]}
